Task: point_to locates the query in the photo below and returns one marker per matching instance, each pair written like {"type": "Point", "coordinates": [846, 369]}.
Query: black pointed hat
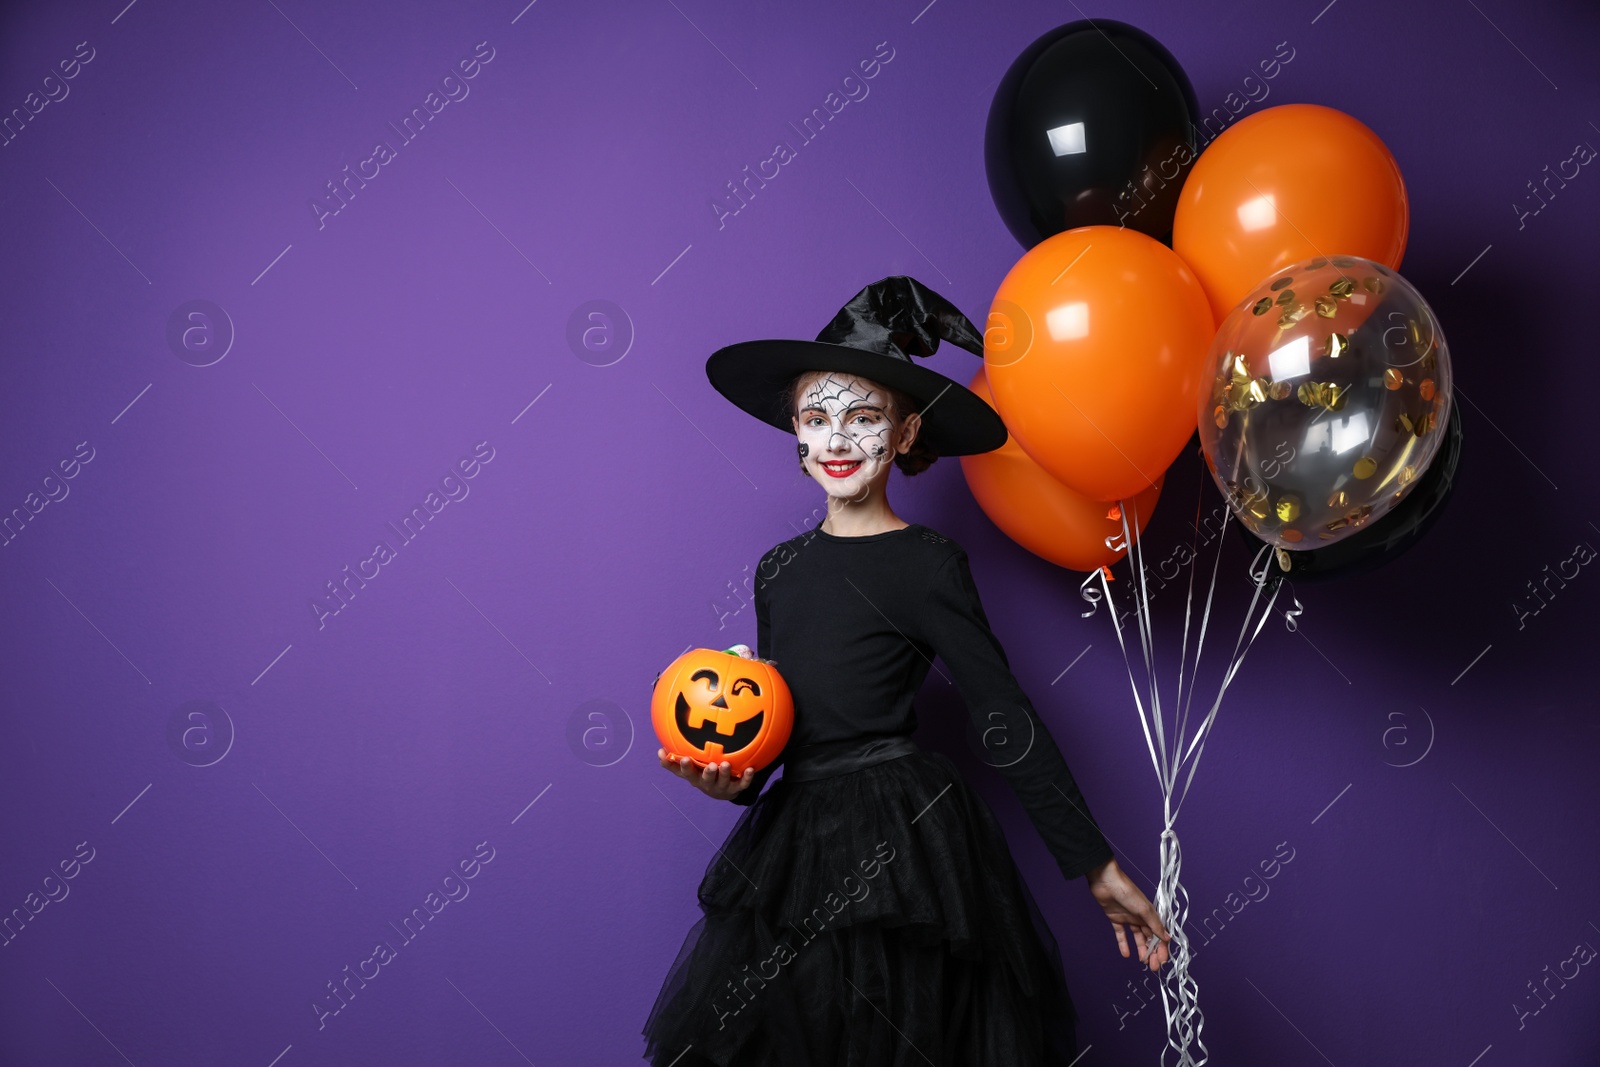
{"type": "Point", "coordinates": [874, 335]}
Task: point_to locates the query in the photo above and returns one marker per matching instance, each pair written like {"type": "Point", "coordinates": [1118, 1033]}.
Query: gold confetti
{"type": "Point", "coordinates": [1425, 389]}
{"type": "Point", "coordinates": [1286, 297]}
{"type": "Point", "coordinates": [1337, 345]}
{"type": "Point", "coordinates": [1317, 264]}
{"type": "Point", "coordinates": [1280, 283]}
{"type": "Point", "coordinates": [1326, 306]}
{"type": "Point", "coordinates": [1337, 499]}
{"type": "Point", "coordinates": [1372, 284]}
{"type": "Point", "coordinates": [1262, 306]}
{"type": "Point", "coordinates": [1342, 288]}
{"type": "Point", "coordinates": [1405, 421]}
{"type": "Point", "coordinates": [1393, 379]}
{"type": "Point", "coordinates": [1257, 391]}
{"type": "Point", "coordinates": [1343, 262]}
{"type": "Point", "coordinates": [1292, 315]}
{"type": "Point", "coordinates": [1280, 390]}
{"type": "Point", "coordinates": [1407, 474]}
{"type": "Point", "coordinates": [1221, 417]}
{"type": "Point", "coordinates": [1322, 394]}
{"type": "Point", "coordinates": [1360, 515]}
{"type": "Point", "coordinates": [1288, 509]}
{"type": "Point", "coordinates": [1364, 467]}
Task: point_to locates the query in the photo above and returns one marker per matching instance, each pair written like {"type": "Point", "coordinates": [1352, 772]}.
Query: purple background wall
{"type": "Point", "coordinates": [157, 615]}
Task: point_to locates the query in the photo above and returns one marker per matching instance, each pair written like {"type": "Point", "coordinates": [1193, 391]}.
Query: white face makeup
{"type": "Point", "coordinates": [846, 438]}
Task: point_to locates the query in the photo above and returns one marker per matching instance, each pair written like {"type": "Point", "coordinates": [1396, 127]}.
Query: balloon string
{"type": "Point", "coordinates": [1188, 606]}
{"type": "Point", "coordinates": [1146, 633]}
{"type": "Point", "coordinates": [1157, 745]}
{"type": "Point", "coordinates": [1183, 1019]}
{"type": "Point", "coordinates": [1261, 580]}
{"type": "Point", "coordinates": [1179, 990]}
{"type": "Point", "coordinates": [1205, 622]}
{"type": "Point", "coordinates": [1188, 610]}
{"type": "Point", "coordinates": [1155, 761]}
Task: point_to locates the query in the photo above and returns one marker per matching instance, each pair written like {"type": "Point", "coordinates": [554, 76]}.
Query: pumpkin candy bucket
{"type": "Point", "coordinates": [713, 706]}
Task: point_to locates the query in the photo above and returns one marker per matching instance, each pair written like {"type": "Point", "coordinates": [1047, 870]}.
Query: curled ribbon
{"type": "Point", "coordinates": [1291, 619]}
{"type": "Point", "coordinates": [1090, 594]}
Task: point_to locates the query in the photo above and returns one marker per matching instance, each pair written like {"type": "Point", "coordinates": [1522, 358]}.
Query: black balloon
{"type": "Point", "coordinates": [1093, 124]}
{"type": "Point", "coordinates": [1386, 539]}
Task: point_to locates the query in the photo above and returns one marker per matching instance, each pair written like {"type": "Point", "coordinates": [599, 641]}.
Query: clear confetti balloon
{"type": "Point", "coordinates": [1329, 393]}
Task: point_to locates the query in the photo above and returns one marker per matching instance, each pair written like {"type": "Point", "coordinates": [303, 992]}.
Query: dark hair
{"type": "Point", "coordinates": [916, 459]}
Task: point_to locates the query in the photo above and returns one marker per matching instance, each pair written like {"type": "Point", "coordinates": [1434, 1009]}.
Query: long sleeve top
{"type": "Point", "coordinates": [853, 624]}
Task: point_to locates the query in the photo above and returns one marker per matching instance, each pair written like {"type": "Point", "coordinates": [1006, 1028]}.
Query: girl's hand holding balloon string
{"type": "Point", "coordinates": [1125, 903]}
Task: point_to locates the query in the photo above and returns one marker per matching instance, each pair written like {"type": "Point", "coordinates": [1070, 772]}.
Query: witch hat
{"type": "Point", "coordinates": [874, 335]}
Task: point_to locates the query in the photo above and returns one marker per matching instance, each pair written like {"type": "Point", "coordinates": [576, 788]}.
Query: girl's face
{"type": "Point", "coordinates": [846, 440]}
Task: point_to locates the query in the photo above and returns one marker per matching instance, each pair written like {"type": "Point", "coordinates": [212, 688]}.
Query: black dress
{"type": "Point", "coordinates": [865, 909]}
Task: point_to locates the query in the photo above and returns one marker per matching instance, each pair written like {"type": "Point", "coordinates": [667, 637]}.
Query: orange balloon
{"type": "Point", "coordinates": [1096, 352]}
{"type": "Point", "coordinates": [1288, 184]}
{"type": "Point", "coordinates": [1042, 515]}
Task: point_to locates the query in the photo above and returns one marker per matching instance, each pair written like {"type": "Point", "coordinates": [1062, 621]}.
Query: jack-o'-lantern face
{"type": "Point", "coordinates": [710, 712]}
{"type": "Point", "coordinates": [713, 706]}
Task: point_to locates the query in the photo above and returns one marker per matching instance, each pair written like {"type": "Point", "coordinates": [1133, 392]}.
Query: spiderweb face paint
{"type": "Point", "coordinates": [844, 420]}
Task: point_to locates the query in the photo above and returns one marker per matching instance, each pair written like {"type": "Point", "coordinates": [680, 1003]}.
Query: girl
{"type": "Point", "coordinates": [866, 908]}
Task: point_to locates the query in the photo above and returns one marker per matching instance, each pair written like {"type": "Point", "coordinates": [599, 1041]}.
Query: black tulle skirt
{"type": "Point", "coordinates": [875, 917]}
